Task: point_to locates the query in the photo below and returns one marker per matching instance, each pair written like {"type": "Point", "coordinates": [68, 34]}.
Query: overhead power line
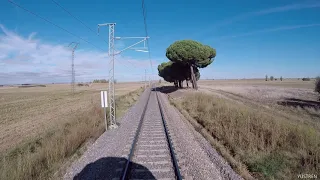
{"type": "Point", "coordinates": [144, 13]}
{"type": "Point", "coordinates": [78, 20]}
{"type": "Point", "coordinates": [64, 9]}
{"type": "Point", "coordinates": [50, 22]}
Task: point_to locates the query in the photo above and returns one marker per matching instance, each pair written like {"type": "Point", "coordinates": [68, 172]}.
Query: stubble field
{"type": "Point", "coordinates": [42, 126]}
{"type": "Point", "coordinates": [292, 99]}
{"type": "Point", "coordinates": [265, 130]}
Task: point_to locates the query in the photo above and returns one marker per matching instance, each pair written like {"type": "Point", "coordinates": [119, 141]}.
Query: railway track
{"type": "Point", "coordinates": [151, 146]}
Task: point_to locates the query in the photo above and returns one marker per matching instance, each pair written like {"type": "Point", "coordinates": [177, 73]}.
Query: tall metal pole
{"type": "Point", "coordinates": [74, 46]}
{"type": "Point", "coordinates": [111, 53]}
{"type": "Point", "coordinates": [111, 78]}
{"type": "Point", "coordinates": [73, 79]}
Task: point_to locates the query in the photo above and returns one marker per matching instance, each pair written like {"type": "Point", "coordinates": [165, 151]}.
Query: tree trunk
{"type": "Point", "coordinates": [187, 83]}
{"type": "Point", "coordinates": [192, 80]}
{"type": "Point", "coordinates": [175, 83]}
{"type": "Point", "coordinates": [180, 85]}
{"type": "Point", "coordinates": [194, 84]}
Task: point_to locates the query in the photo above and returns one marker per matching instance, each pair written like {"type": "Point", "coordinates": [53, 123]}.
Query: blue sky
{"type": "Point", "coordinates": [252, 38]}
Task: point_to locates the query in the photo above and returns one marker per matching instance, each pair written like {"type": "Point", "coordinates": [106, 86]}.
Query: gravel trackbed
{"type": "Point", "coordinates": [106, 158]}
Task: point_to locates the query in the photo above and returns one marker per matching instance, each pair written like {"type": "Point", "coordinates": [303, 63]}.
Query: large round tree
{"type": "Point", "coordinates": [176, 72]}
{"type": "Point", "coordinates": [191, 53]}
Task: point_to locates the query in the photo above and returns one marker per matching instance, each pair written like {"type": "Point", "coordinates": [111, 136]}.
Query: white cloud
{"type": "Point", "coordinates": [29, 59]}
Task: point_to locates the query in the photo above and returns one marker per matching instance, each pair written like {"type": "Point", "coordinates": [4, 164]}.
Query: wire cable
{"type": "Point", "coordinates": [78, 19]}
{"type": "Point", "coordinates": [48, 21]}
{"type": "Point", "coordinates": [146, 30]}
{"type": "Point", "coordinates": [55, 2]}
{"type": "Point", "coordinates": [30, 12]}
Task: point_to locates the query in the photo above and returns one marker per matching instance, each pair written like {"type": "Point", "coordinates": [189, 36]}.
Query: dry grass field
{"type": "Point", "coordinates": [266, 130]}
{"type": "Point", "coordinates": [290, 99]}
{"type": "Point", "coordinates": [42, 126]}
{"type": "Point", "coordinates": [27, 112]}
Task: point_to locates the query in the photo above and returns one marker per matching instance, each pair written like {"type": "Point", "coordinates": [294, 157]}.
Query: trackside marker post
{"type": "Point", "coordinates": [104, 104]}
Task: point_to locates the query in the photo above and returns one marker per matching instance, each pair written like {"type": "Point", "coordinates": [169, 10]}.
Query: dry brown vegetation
{"type": "Point", "coordinates": [42, 128]}
{"type": "Point", "coordinates": [292, 100]}
{"type": "Point", "coordinates": [256, 135]}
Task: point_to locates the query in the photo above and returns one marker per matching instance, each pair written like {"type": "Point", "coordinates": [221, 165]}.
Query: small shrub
{"type": "Point", "coordinates": [317, 85]}
{"type": "Point", "coordinates": [266, 77]}
{"type": "Point", "coordinates": [271, 78]}
{"type": "Point", "coordinates": [281, 78]}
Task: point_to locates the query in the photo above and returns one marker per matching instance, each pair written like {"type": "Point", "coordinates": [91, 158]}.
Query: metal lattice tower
{"type": "Point", "coordinates": [111, 76]}
{"type": "Point", "coordinates": [111, 53]}
{"type": "Point", "coordinates": [74, 46]}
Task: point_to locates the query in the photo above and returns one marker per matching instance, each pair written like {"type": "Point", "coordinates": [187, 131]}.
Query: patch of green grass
{"type": "Point", "coordinates": [268, 165]}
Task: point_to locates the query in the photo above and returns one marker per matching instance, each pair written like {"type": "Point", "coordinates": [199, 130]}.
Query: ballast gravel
{"type": "Point", "coordinates": [108, 148]}
{"type": "Point", "coordinates": [196, 158]}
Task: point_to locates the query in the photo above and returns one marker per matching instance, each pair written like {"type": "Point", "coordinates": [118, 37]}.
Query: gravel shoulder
{"type": "Point", "coordinates": [110, 144]}
{"type": "Point", "coordinates": [197, 158]}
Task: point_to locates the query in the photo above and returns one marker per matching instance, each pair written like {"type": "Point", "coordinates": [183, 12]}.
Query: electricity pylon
{"type": "Point", "coordinates": [112, 54]}
{"type": "Point", "coordinates": [74, 46]}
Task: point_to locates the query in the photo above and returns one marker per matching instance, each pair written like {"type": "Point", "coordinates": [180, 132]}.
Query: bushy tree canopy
{"type": "Point", "coordinates": [190, 54]}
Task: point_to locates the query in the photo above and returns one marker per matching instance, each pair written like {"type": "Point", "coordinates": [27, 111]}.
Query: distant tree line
{"type": "Point", "coordinates": [272, 78]}
{"type": "Point", "coordinates": [186, 57]}
{"type": "Point", "coordinates": [100, 81]}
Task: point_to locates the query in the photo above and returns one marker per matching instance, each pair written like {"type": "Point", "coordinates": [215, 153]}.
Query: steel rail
{"type": "Point", "coordinates": [173, 156]}
{"type": "Point", "coordinates": [128, 164]}
{"type": "Point", "coordinates": [126, 174]}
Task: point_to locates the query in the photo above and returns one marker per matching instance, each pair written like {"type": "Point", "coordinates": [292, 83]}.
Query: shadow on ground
{"type": "Point", "coordinates": [106, 168]}
{"type": "Point", "coordinates": [293, 102]}
{"type": "Point", "coordinates": [166, 89]}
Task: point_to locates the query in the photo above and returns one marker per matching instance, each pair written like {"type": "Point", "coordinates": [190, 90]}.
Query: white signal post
{"type": "Point", "coordinates": [112, 54]}
{"type": "Point", "coordinates": [104, 104]}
